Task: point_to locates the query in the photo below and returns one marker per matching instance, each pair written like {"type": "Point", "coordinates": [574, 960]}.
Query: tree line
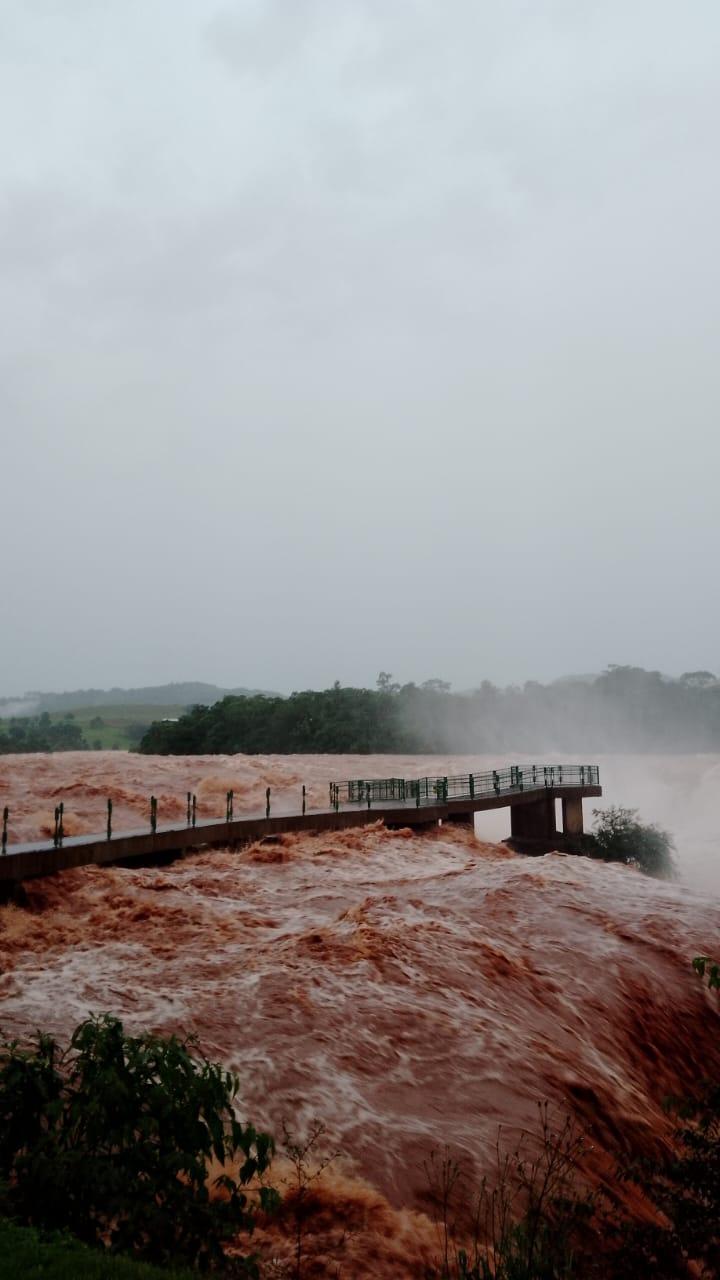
{"type": "Point", "coordinates": [624, 708]}
{"type": "Point", "coordinates": [40, 733]}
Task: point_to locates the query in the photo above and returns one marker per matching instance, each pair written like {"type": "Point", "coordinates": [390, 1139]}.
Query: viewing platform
{"type": "Point", "coordinates": [529, 792]}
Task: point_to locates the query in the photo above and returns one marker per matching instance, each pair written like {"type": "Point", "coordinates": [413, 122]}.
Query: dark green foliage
{"type": "Point", "coordinates": [619, 837]}
{"type": "Point", "coordinates": [624, 708]}
{"type": "Point", "coordinates": [336, 720]}
{"type": "Point", "coordinates": [36, 1255]}
{"type": "Point", "coordinates": [39, 733]}
{"type": "Point", "coordinates": [112, 1138]}
{"type": "Point", "coordinates": [708, 968]}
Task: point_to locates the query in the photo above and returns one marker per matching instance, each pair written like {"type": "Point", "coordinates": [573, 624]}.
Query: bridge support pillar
{"type": "Point", "coordinates": [535, 821]}
{"type": "Point", "coordinates": [572, 815]}
{"type": "Point", "coordinates": [465, 819]}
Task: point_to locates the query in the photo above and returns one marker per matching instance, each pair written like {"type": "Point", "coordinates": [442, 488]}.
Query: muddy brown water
{"type": "Point", "coordinates": [410, 991]}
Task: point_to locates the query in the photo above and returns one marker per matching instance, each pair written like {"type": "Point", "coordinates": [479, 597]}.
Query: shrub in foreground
{"type": "Point", "coordinates": [111, 1139]}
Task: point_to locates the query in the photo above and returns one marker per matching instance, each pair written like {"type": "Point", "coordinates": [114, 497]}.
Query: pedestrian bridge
{"type": "Point", "coordinates": [529, 791]}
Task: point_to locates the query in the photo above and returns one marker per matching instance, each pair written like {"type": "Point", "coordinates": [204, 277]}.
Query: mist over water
{"type": "Point", "coordinates": [677, 792]}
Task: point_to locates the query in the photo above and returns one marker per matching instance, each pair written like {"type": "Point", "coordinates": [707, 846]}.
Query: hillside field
{"type": "Point", "coordinates": [116, 728]}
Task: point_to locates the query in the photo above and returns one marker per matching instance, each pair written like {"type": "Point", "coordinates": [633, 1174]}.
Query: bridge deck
{"type": "Point", "coordinates": [34, 858]}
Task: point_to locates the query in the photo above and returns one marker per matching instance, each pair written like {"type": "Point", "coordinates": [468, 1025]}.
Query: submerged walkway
{"type": "Point", "coordinates": [421, 803]}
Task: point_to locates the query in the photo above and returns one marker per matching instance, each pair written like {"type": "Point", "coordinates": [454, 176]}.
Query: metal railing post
{"type": "Point", "coordinates": [303, 800]}
{"type": "Point", "coordinates": [267, 802]}
{"type": "Point", "coordinates": [471, 785]}
{"type": "Point", "coordinates": [6, 815]}
{"type": "Point", "coordinates": [58, 833]}
{"type": "Point", "coordinates": [153, 814]}
{"type": "Point", "coordinates": [194, 809]}
{"type": "Point", "coordinates": [229, 806]}
{"type": "Point", "coordinates": [109, 818]}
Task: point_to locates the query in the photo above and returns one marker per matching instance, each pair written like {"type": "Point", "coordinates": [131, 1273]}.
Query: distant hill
{"type": "Point", "coordinates": [183, 694]}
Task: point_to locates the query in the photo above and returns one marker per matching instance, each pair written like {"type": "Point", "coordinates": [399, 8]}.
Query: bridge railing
{"type": "Point", "coordinates": [464, 786]}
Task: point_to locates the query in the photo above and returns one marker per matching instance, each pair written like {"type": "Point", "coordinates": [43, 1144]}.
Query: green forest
{"type": "Point", "coordinates": [40, 733]}
{"type": "Point", "coordinates": [625, 708]}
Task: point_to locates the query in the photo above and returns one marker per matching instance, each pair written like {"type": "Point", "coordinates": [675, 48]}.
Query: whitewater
{"type": "Point", "coordinates": [411, 991]}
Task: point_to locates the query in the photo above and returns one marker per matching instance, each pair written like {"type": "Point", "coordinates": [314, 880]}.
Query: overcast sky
{"type": "Point", "coordinates": [340, 335]}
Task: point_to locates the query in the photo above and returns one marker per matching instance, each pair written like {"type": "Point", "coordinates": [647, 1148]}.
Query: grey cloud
{"type": "Point", "coordinates": [384, 335]}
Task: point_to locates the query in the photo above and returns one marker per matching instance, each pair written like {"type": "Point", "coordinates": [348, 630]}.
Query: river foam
{"type": "Point", "coordinates": [412, 991]}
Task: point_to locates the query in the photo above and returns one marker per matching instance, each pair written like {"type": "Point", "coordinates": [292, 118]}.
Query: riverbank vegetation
{"type": "Point", "coordinates": [112, 1139]}
{"type": "Point", "coordinates": [626, 708]}
{"type": "Point", "coordinates": [38, 1255]}
{"type": "Point", "coordinates": [112, 728]}
{"type": "Point", "coordinates": [25, 734]}
{"type": "Point", "coordinates": [618, 836]}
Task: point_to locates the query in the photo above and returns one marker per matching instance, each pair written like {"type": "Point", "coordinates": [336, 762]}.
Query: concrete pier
{"type": "Point", "coordinates": [572, 816]}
